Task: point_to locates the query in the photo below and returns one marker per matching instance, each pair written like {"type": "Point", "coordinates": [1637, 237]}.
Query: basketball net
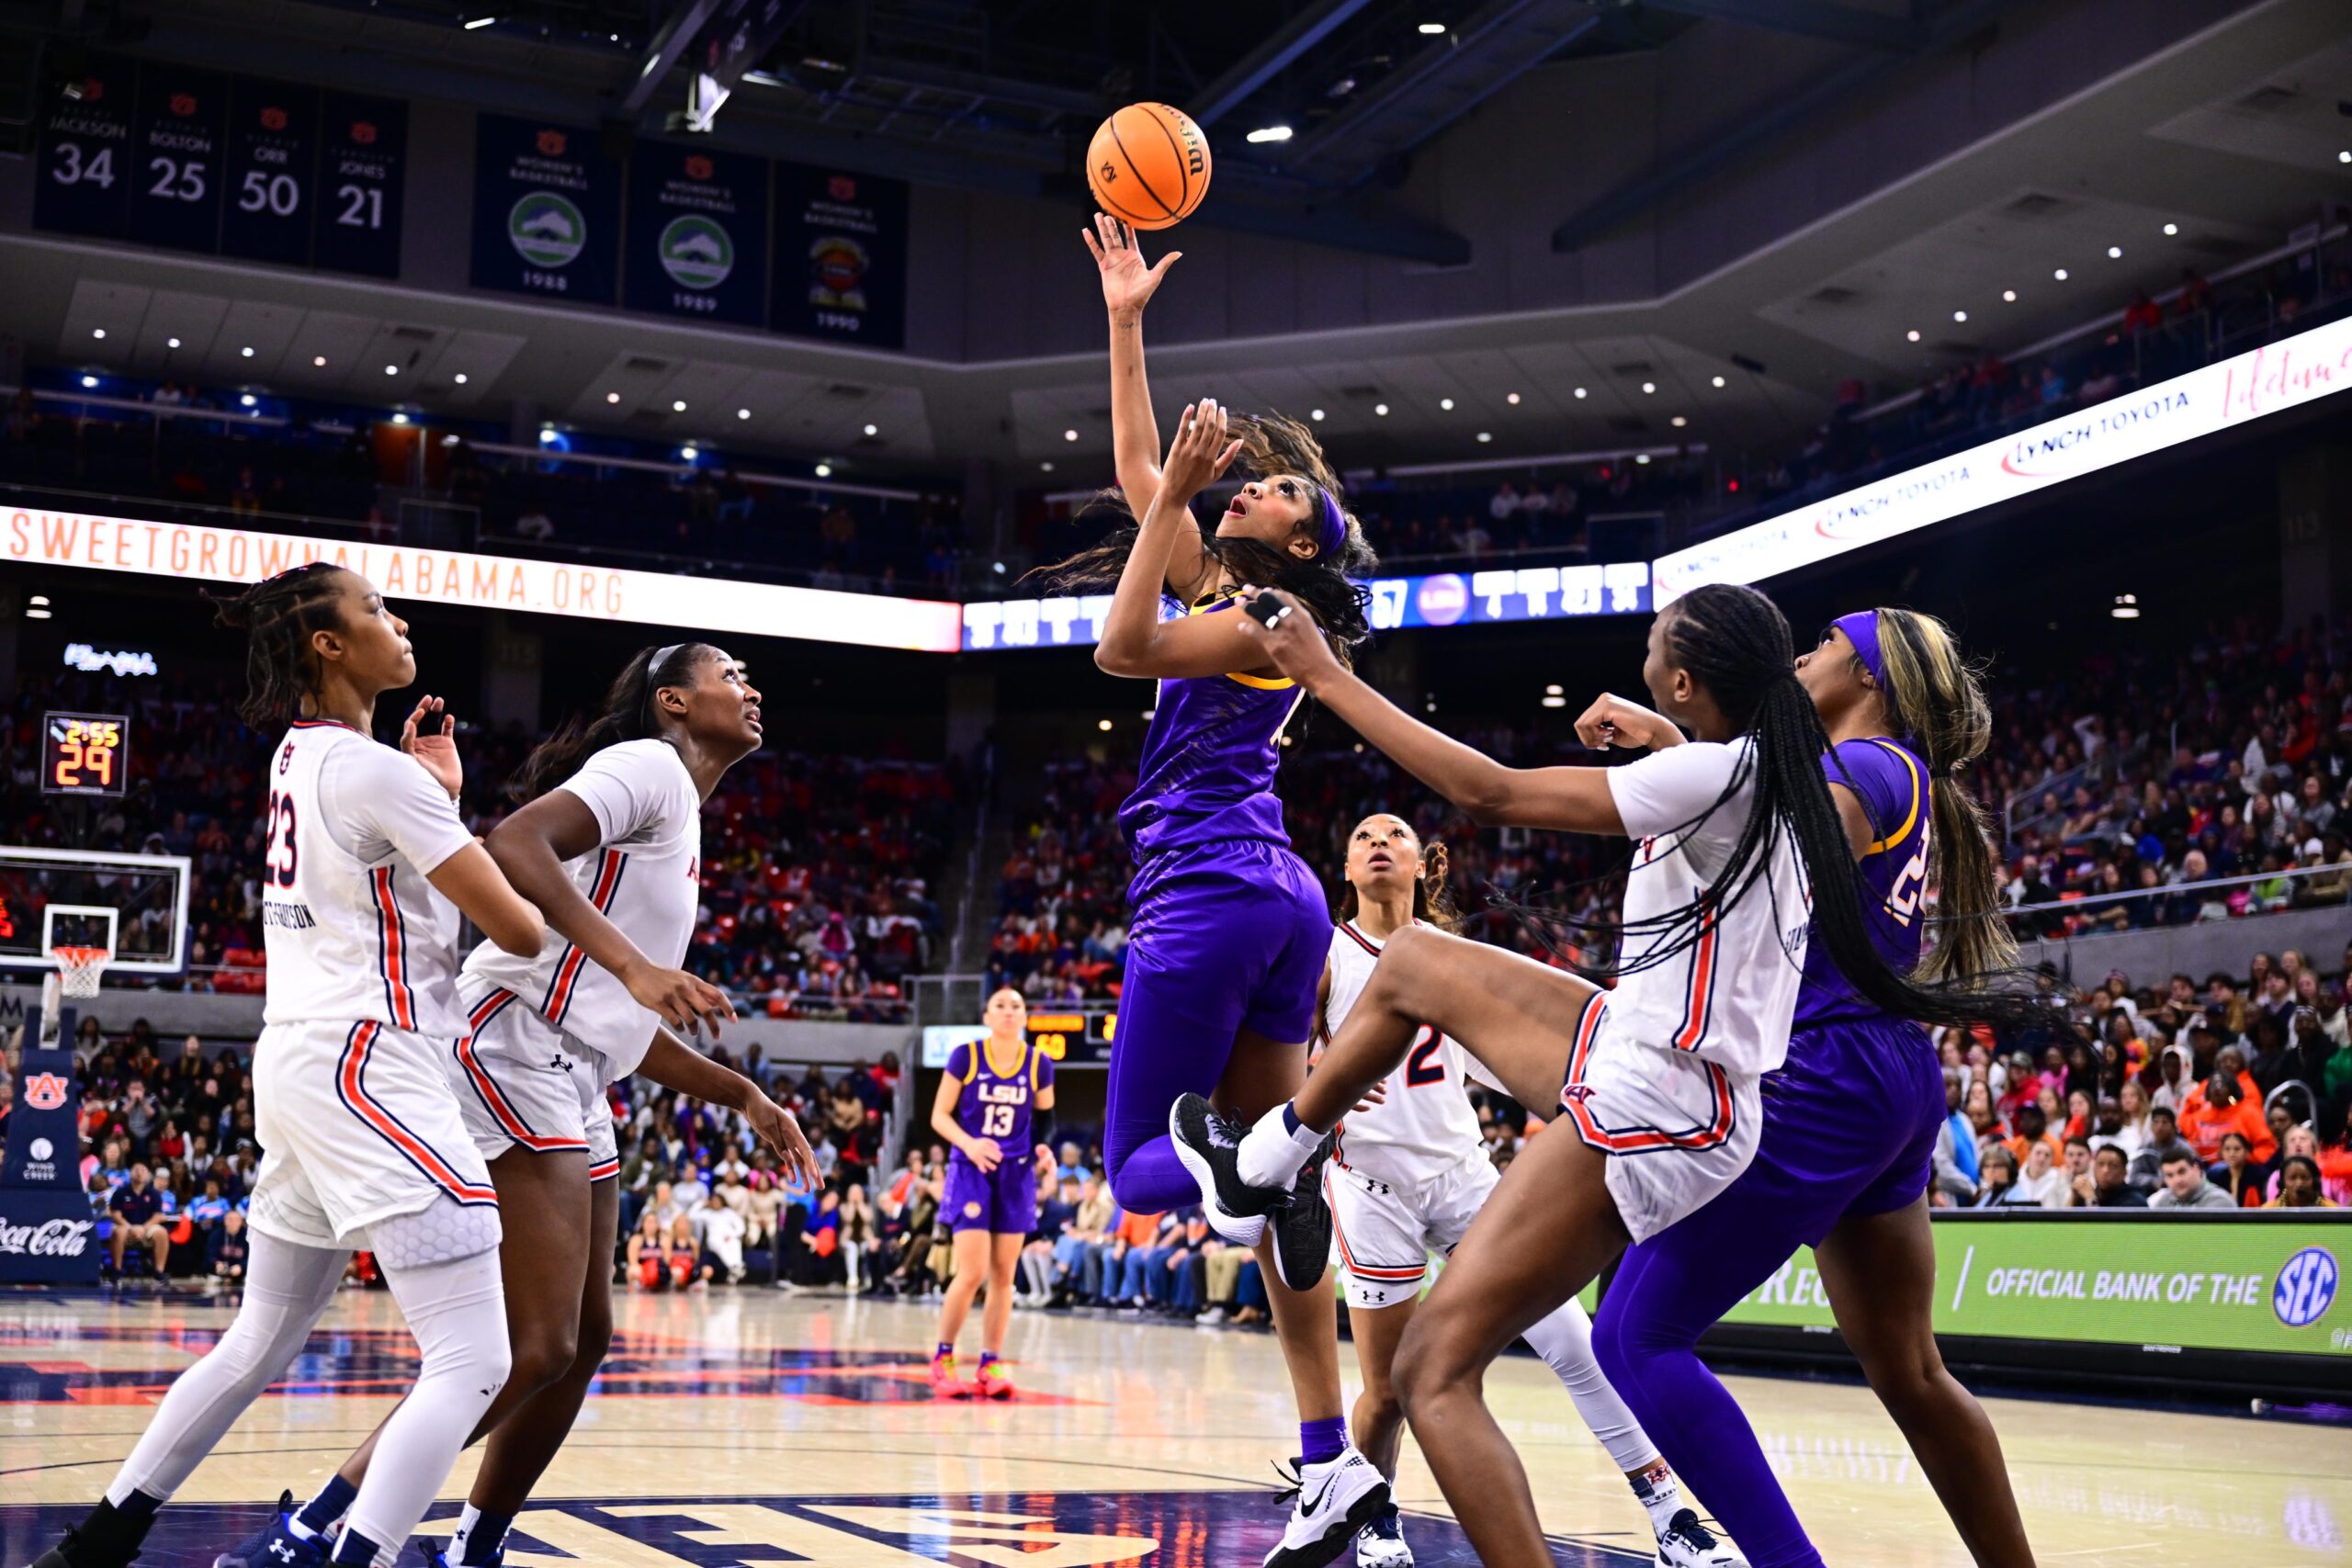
{"type": "Point", "coordinates": [79, 970]}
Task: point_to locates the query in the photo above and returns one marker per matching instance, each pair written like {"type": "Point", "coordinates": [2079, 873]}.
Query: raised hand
{"type": "Point", "coordinates": [435, 750]}
{"type": "Point", "coordinates": [686, 1002]}
{"type": "Point", "coordinates": [1127, 284]}
{"type": "Point", "coordinates": [1199, 455]}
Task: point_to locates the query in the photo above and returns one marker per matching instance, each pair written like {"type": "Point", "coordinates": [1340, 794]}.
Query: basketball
{"type": "Point", "coordinates": [1148, 165]}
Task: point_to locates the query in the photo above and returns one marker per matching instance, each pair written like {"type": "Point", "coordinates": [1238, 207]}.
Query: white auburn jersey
{"type": "Point", "coordinates": [351, 929]}
{"type": "Point", "coordinates": [1730, 996]}
{"type": "Point", "coordinates": [645, 876]}
{"type": "Point", "coordinates": [1427, 1126]}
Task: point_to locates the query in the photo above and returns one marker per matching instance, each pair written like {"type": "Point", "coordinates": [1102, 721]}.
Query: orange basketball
{"type": "Point", "coordinates": [1148, 165]}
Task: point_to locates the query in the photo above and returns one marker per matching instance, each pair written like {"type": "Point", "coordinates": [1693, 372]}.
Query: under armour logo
{"type": "Point", "coordinates": [562, 1063]}
{"type": "Point", "coordinates": [282, 1550]}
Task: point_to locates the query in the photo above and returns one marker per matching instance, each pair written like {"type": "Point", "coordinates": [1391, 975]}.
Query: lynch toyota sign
{"type": "Point", "coordinates": [2218, 397]}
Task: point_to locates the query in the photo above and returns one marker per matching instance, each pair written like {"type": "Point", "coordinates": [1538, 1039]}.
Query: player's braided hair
{"type": "Point", "coordinates": [1326, 583]}
{"type": "Point", "coordinates": [1432, 894]}
{"type": "Point", "coordinates": [629, 714]}
{"type": "Point", "coordinates": [278, 615]}
{"type": "Point", "coordinates": [1735, 643]}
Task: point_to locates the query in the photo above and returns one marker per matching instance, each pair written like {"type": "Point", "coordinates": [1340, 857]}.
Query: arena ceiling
{"type": "Point", "coordinates": [2229, 137]}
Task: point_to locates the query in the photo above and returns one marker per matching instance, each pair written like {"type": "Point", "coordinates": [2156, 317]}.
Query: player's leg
{"type": "Point", "coordinates": [526, 1441]}
{"type": "Point", "coordinates": [287, 1286]}
{"type": "Point", "coordinates": [1175, 1033]}
{"type": "Point", "coordinates": [1376, 1421]}
{"type": "Point", "coordinates": [996, 1321]}
{"type": "Point", "coordinates": [972, 1256]}
{"type": "Point", "coordinates": [1550, 1227]}
{"type": "Point", "coordinates": [1879, 1272]}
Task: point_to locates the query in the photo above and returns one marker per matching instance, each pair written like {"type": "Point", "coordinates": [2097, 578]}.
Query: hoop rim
{"type": "Point", "coordinates": [78, 956]}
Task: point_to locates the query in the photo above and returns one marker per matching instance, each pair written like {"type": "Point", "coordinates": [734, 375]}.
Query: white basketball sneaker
{"type": "Point", "coordinates": [1687, 1543]}
{"type": "Point", "coordinates": [1382, 1543]}
{"type": "Point", "coordinates": [1330, 1503]}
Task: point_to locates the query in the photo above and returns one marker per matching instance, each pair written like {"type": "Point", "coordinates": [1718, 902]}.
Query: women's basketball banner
{"type": "Point", "coordinates": [38, 535]}
{"type": "Point", "coordinates": [697, 234]}
{"type": "Point", "coordinates": [546, 210]}
{"type": "Point", "coordinates": [2264, 1282]}
{"type": "Point", "coordinates": [2222, 396]}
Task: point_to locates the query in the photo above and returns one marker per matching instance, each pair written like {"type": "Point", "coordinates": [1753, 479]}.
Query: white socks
{"type": "Point", "coordinates": [1274, 1149]}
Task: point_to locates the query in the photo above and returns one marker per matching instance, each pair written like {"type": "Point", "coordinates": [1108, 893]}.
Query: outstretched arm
{"type": "Point", "coordinates": [1127, 286]}
{"type": "Point", "coordinates": [1576, 800]}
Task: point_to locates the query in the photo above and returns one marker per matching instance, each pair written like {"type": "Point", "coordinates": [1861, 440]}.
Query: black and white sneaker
{"type": "Point", "coordinates": [1687, 1543]}
{"type": "Point", "coordinates": [1301, 1228]}
{"type": "Point", "coordinates": [1330, 1504]}
{"type": "Point", "coordinates": [1206, 1142]}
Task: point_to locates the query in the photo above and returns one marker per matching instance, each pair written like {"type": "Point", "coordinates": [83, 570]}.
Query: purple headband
{"type": "Point", "coordinates": [1335, 523]}
{"type": "Point", "coordinates": [1861, 630]}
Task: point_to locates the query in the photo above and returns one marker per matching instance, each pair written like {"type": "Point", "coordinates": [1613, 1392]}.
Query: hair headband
{"type": "Point", "coordinates": [1334, 522]}
{"type": "Point", "coordinates": [660, 655]}
{"type": "Point", "coordinates": [1861, 630]}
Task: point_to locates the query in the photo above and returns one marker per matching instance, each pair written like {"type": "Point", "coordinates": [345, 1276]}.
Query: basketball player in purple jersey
{"type": "Point", "coordinates": [1850, 1120]}
{"type": "Point", "coordinates": [995, 1109]}
{"type": "Point", "coordinates": [1229, 928]}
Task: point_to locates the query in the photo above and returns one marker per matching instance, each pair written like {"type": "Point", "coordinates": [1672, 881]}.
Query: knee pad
{"type": "Point", "coordinates": [442, 1232]}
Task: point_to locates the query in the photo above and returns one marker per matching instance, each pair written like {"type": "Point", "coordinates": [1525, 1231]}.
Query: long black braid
{"type": "Point", "coordinates": [629, 714]}
{"type": "Point", "coordinates": [1735, 643]}
{"type": "Point", "coordinates": [278, 615]}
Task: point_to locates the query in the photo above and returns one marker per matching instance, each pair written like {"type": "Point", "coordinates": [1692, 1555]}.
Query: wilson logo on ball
{"type": "Point", "coordinates": [1148, 165]}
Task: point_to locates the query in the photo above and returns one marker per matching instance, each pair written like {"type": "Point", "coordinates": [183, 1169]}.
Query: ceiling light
{"type": "Point", "coordinates": [688, 452]}
{"type": "Point", "coordinates": [479, 23]}
{"type": "Point", "coordinates": [459, 377]}
{"type": "Point", "coordinates": [89, 381]}
{"type": "Point", "coordinates": [37, 614]}
{"type": "Point", "coordinates": [1269, 133]}
{"type": "Point", "coordinates": [2126, 607]}
{"type": "Point", "coordinates": [1555, 702]}
{"type": "Point", "coordinates": [37, 599]}
{"type": "Point", "coordinates": [1911, 336]}
{"type": "Point", "coordinates": [824, 471]}
{"type": "Point", "coordinates": [247, 399]}
{"type": "Point", "coordinates": [399, 419]}
{"type": "Point", "coordinates": [2060, 275]}
{"type": "Point", "coordinates": [2008, 296]}
{"type": "Point", "coordinates": [1959, 315]}
{"type": "Point", "coordinates": [1380, 409]}
{"type": "Point", "coordinates": [171, 342]}
{"type": "Point", "coordinates": [2343, 157]}
{"type": "Point", "coordinates": [1719, 380]}
{"type": "Point", "coordinates": [612, 397]}
{"type": "Point", "coordinates": [391, 369]}
{"type": "Point", "coordinates": [1555, 690]}
{"type": "Point", "coordinates": [451, 441]}
{"type": "Point", "coordinates": [1432, 29]}
{"type": "Point", "coordinates": [677, 405]}
{"type": "Point", "coordinates": [1650, 386]}
{"type": "Point", "coordinates": [1512, 398]}
{"type": "Point", "coordinates": [1101, 724]}
{"type": "Point", "coordinates": [1642, 457]}
{"type": "Point", "coordinates": [872, 430]}
{"type": "Point", "coordinates": [1046, 466]}
{"type": "Point", "coordinates": [547, 436]}
{"type": "Point", "coordinates": [1315, 414]}
{"type": "Point", "coordinates": [1679, 421]}
{"type": "Point", "coordinates": [98, 332]}
{"type": "Point", "coordinates": [2172, 228]}
{"type": "Point", "coordinates": [246, 353]}
{"type": "Point", "coordinates": [1579, 391]}
{"type": "Point", "coordinates": [742, 413]}
{"type": "Point", "coordinates": [2115, 252]}
{"type": "Point", "coordinates": [1070, 434]}
{"type": "Point", "coordinates": [1485, 435]}
{"type": "Point", "coordinates": [1446, 404]}
{"type": "Point", "coordinates": [318, 362]}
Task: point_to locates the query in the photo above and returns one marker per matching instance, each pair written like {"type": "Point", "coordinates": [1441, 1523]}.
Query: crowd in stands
{"type": "Point", "coordinates": [818, 871]}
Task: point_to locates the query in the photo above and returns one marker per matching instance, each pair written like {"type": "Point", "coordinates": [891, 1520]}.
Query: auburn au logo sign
{"type": "Point", "coordinates": [45, 1091]}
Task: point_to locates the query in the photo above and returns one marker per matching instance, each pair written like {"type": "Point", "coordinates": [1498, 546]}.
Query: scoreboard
{"type": "Point", "coordinates": [1068, 1038]}
{"type": "Point", "coordinates": [85, 753]}
{"type": "Point", "coordinates": [194, 160]}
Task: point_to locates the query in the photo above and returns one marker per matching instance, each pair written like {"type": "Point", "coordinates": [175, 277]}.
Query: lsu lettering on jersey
{"type": "Point", "coordinates": [644, 876]}
{"type": "Point", "coordinates": [1729, 997]}
{"type": "Point", "coordinates": [1427, 1126]}
{"type": "Point", "coordinates": [351, 929]}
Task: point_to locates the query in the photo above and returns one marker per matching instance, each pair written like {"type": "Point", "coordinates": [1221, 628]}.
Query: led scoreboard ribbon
{"type": "Point", "coordinates": [83, 753]}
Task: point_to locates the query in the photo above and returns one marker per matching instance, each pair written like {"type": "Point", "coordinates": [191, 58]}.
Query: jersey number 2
{"type": "Point", "coordinates": [1422, 1066]}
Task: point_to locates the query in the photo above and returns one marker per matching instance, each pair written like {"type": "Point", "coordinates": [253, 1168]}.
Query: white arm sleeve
{"type": "Point", "coordinates": [623, 787]}
{"type": "Point", "coordinates": [1668, 789]}
{"type": "Point", "coordinates": [386, 800]}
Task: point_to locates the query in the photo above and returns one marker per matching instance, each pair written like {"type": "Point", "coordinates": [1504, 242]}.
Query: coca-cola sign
{"type": "Point", "coordinates": [51, 1238]}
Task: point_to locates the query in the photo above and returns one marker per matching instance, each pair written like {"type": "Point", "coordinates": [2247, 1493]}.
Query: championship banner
{"type": "Point", "coordinates": [546, 210]}
{"type": "Point", "coordinates": [841, 257]}
{"type": "Point", "coordinates": [697, 234]}
{"type": "Point", "coordinates": [2222, 396]}
{"type": "Point", "coordinates": [2263, 1282]}
{"type": "Point", "coordinates": [48, 1234]}
{"type": "Point", "coordinates": [488, 582]}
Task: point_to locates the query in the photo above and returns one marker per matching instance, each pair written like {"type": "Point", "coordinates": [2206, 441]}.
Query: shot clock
{"type": "Point", "coordinates": [85, 753]}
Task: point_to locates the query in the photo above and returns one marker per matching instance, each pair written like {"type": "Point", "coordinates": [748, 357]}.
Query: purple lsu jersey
{"type": "Point", "coordinates": [1893, 784]}
{"type": "Point", "coordinates": [1208, 763]}
{"type": "Point", "coordinates": [997, 1105]}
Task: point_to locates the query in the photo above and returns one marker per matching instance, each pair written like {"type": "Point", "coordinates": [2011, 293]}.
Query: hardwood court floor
{"type": "Point", "coordinates": [749, 1427]}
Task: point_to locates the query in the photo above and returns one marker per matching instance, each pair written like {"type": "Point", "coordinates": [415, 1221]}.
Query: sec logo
{"type": "Point", "coordinates": [2305, 1287]}
{"type": "Point", "coordinates": [971, 1211]}
{"type": "Point", "coordinates": [45, 1091]}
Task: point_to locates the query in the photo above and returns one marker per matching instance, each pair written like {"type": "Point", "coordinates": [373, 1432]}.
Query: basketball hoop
{"type": "Point", "coordinates": [79, 970]}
